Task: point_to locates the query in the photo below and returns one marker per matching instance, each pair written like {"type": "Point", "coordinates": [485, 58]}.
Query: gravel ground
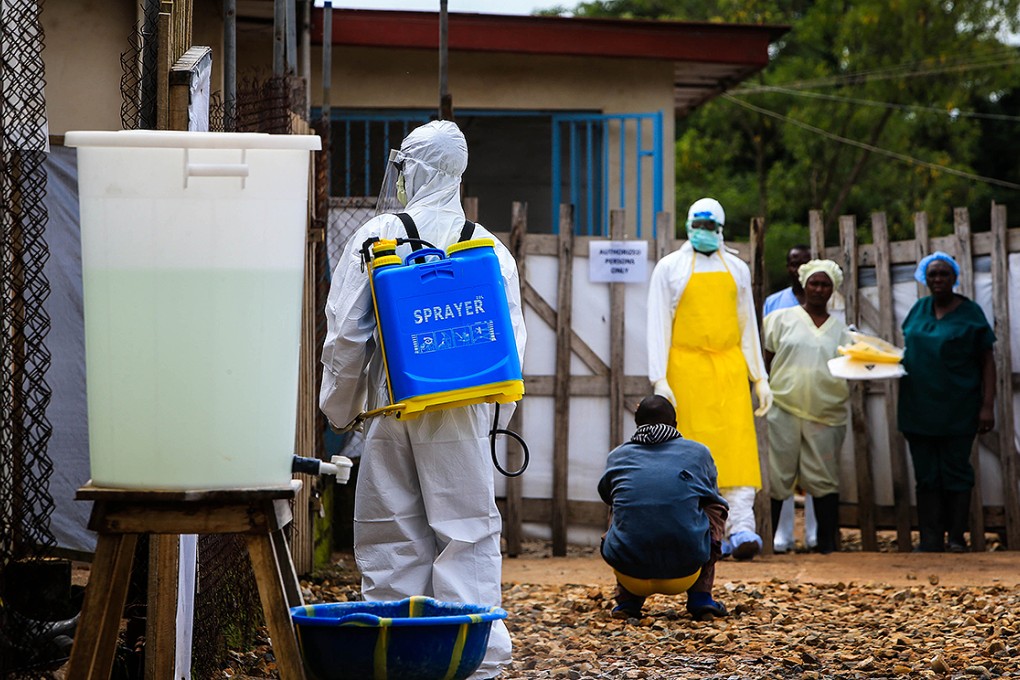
{"type": "Point", "coordinates": [777, 629]}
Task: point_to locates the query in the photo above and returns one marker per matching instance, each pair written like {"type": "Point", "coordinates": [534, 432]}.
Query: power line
{"type": "Point", "coordinates": [888, 105]}
{"type": "Point", "coordinates": [886, 74]}
{"type": "Point", "coordinates": [870, 147]}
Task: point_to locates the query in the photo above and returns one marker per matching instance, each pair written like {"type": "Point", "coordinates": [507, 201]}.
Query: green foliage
{"type": "Point", "coordinates": [782, 237]}
{"type": "Point", "coordinates": [900, 78]}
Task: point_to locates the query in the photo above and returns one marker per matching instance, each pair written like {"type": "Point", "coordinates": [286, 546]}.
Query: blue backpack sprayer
{"type": "Point", "coordinates": [444, 328]}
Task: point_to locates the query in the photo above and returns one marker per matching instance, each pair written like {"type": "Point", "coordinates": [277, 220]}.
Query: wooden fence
{"type": "Point", "coordinates": [608, 378]}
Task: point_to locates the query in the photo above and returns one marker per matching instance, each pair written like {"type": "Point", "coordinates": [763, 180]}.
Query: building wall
{"type": "Point", "coordinates": [83, 43]}
{"type": "Point", "coordinates": [377, 78]}
{"type": "Point", "coordinates": [506, 82]}
{"type": "Point", "coordinates": [84, 40]}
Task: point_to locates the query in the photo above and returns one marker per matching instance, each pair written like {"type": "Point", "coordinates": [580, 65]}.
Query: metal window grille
{"type": "Point", "coordinates": [608, 161]}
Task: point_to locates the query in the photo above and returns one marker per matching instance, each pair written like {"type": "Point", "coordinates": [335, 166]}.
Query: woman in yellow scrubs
{"type": "Point", "coordinates": [703, 347]}
{"type": "Point", "coordinates": [808, 424]}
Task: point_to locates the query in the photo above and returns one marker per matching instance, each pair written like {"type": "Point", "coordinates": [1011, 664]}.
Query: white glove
{"type": "Point", "coordinates": [662, 389]}
{"type": "Point", "coordinates": [764, 394]}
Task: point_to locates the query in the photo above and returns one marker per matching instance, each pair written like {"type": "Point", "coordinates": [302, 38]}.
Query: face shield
{"type": "Point", "coordinates": [392, 194]}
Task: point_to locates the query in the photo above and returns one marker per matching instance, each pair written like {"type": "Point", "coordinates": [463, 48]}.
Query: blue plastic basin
{"type": "Point", "coordinates": [414, 639]}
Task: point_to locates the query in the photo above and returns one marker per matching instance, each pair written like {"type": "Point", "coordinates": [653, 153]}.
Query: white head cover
{"type": "Point", "coordinates": [706, 209]}
{"type": "Point", "coordinates": [432, 159]}
{"type": "Point", "coordinates": [825, 266]}
{"type": "Point", "coordinates": [435, 156]}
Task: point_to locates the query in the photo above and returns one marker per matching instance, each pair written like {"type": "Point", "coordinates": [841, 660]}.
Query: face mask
{"type": "Point", "coordinates": [703, 240]}
{"type": "Point", "coordinates": [401, 190]}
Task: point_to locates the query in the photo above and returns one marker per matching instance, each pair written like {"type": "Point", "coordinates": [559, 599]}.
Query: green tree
{"type": "Point", "coordinates": [867, 105]}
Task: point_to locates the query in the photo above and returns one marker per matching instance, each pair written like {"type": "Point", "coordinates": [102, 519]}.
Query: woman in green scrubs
{"type": "Point", "coordinates": [946, 398]}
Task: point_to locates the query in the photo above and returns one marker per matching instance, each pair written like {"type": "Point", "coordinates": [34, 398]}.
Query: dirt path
{"type": "Point", "coordinates": [895, 569]}
{"type": "Point", "coordinates": [847, 616]}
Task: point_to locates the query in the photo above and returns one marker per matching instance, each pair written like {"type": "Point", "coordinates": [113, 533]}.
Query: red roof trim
{"type": "Point", "coordinates": [664, 40]}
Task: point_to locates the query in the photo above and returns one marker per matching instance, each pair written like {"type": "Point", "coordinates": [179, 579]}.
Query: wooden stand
{"type": "Point", "coordinates": [119, 516]}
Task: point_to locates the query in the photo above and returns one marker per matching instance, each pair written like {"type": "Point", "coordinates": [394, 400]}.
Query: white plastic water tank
{"type": "Point", "coordinates": [193, 250]}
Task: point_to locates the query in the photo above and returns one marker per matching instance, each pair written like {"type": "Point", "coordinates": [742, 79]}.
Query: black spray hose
{"type": "Point", "coordinates": [492, 447]}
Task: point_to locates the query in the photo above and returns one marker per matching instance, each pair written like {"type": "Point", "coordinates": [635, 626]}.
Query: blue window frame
{"type": "Point", "coordinates": [599, 162]}
{"type": "Point", "coordinates": [592, 156]}
{"type": "Point", "coordinates": [361, 142]}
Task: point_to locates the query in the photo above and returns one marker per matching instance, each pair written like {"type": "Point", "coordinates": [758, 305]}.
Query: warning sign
{"type": "Point", "coordinates": [618, 261]}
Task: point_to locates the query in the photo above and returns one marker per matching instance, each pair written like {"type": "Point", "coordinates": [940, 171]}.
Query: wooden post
{"type": "Point", "coordinates": [230, 64]}
{"type": "Point", "coordinates": [161, 611]}
{"type": "Point", "coordinates": [816, 229]}
{"type": "Point", "coordinates": [561, 407]}
{"type": "Point", "coordinates": [921, 245]}
{"type": "Point", "coordinates": [1004, 375]}
{"type": "Point", "coordinates": [308, 500]}
{"type": "Point", "coordinates": [617, 316]}
{"type": "Point", "coordinates": [762, 500]}
{"type": "Point", "coordinates": [445, 98]}
{"type": "Point", "coordinates": [164, 61]}
{"type": "Point", "coordinates": [514, 498]}
{"type": "Point", "coordinates": [279, 38]}
{"type": "Point", "coordinates": [757, 262]}
{"type": "Point", "coordinates": [858, 414]}
{"type": "Point", "coordinates": [664, 236]}
{"type": "Point", "coordinates": [889, 330]}
{"type": "Point", "coordinates": [965, 258]}
{"type": "Point", "coordinates": [964, 251]}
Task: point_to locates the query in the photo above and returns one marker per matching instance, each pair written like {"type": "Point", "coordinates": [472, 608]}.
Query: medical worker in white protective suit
{"type": "Point", "coordinates": [703, 347]}
{"type": "Point", "coordinates": [425, 518]}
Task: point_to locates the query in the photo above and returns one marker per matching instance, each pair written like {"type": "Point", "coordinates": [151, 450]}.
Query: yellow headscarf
{"type": "Point", "coordinates": [814, 266]}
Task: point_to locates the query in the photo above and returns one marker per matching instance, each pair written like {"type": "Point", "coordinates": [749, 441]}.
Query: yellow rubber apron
{"type": "Point", "coordinates": [708, 375]}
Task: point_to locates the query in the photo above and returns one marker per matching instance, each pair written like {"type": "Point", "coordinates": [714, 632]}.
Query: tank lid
{"type": "Point", "coordinates": [179, 139]}
{"type": "Point", "coordinates": [473, 243]}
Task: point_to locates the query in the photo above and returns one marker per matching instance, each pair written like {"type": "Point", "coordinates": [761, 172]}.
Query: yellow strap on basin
{"type": "Point", "coordinates": [382, 643]}
{"type": "Point", "coordinates": [457, 652]}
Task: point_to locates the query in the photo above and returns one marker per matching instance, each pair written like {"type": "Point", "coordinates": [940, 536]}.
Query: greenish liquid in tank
{"type": "Point", "coordinates": [191, 376]}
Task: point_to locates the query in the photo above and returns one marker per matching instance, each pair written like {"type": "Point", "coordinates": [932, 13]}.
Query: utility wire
{"type": "Point", "coordinates": [1003, 51]}
{"type": "Point", "coordinates": [863, 145]}
{"type": "Point", "coordinates": [886, 74]}
{"type": "Point", "coordinates": [888, 105]}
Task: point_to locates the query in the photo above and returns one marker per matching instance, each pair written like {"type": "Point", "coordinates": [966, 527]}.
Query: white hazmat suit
{"type": "Point", "coordinates": [425, 518]}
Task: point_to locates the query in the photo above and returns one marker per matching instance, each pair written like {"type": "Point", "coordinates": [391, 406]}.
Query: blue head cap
{"type": "Point", "coordinates": [921, 273]}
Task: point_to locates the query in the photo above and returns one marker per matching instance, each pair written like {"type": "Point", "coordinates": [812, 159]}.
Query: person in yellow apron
{"type": "Point", "coordinates": [703, 348]}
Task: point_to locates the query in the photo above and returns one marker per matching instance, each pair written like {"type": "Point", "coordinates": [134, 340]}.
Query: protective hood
{"type": "Point", "coordinates": [431, 160]}
{"type": "Point", "coordinates": [706, 209]}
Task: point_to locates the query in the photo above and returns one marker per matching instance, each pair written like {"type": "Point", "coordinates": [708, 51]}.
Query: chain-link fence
{"type": "Point", "coordinates": [26, 648]}
{"type": "Point", "coordinates": [138, 73]}
{"type": "Point", "coordinates": [228, 612]}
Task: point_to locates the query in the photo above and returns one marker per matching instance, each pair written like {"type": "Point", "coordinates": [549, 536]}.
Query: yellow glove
{"type": "Point", "coordinates": [662, 389]}
{"type": "Point", "coordinates": [764, 394]}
